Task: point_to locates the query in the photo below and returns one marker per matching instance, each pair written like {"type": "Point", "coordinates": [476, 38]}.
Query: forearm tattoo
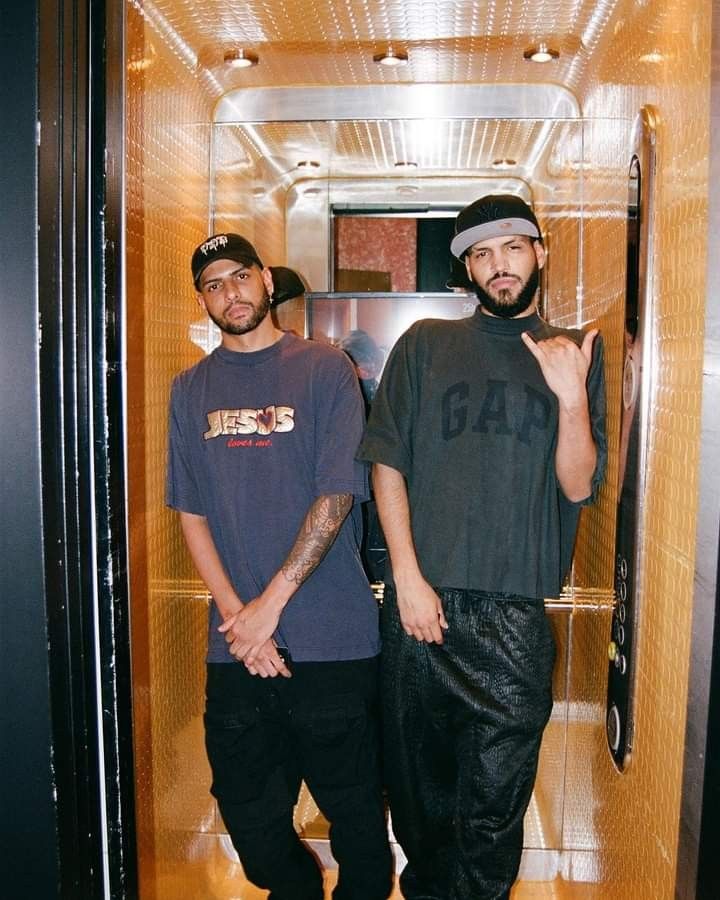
{"type": "Point", "coordinates": [317, 533]}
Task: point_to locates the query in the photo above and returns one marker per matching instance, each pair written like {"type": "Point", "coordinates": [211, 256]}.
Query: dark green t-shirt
{"type": "Point", "coordinates": [463, 411]}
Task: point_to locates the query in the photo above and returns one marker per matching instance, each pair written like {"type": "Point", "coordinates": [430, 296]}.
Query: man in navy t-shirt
{"type": "Point", "coordinates": [263, 434]}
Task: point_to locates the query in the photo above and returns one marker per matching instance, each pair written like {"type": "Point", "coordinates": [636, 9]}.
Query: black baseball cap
{"type": "Point", "coordinates": [458, 276]}
{"type": "Point", "coordinates": [286, 284]}
{"type": "Point", "coordinates": [493, 216]}
{"type": "Point", "coordinates": [223, 246]}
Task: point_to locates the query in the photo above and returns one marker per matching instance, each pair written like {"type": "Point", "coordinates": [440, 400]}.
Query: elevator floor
{"type": "Point", "coordinates": [191, 882]}
{"type": "Point", "coordinates": [526, 890]}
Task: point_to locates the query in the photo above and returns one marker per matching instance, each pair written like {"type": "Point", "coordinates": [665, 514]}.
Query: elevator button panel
{"type": "Point", "coordinates": [637, 374]}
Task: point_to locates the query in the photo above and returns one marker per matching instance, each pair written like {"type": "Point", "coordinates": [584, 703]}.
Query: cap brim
{"type": "Point", "coordinates": [462, 242]}
{"type": "Point", "coordinates": [243, 259]}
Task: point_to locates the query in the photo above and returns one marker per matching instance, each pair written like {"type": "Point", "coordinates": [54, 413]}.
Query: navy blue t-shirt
{"type": "Point", "coordinates": [255, 439]}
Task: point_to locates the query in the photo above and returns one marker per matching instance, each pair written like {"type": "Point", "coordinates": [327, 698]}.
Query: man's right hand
{"type": "Point", "coordinates": [421, 611]}
{"type": "Point", "coordinates": [268, 663]}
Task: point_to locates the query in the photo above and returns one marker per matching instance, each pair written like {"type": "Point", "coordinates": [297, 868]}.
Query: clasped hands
{"type": "Point", "coordinates": [249, 635]}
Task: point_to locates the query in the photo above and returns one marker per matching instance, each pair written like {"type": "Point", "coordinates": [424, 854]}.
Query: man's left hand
{"type": "Point", "coordinates": [564, 365]}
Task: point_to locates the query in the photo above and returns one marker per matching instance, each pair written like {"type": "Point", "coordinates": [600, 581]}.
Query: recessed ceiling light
{"type": "Point", "coordinates": [541, 53]}
{"type": "Point", "coordinates": [391, 57]}
{"type": "Point", "coordinates": [506, 163]}
{"type": "Point", "coordinates": [407, 189]}
{"type": "Point", "coordinates": [312, 191]}
{"type": "Point", "coordinates": [308, 164]}
{"type": "Point", "coordinates": [240, 59]}
{"type": "Point", "coordinates": [406, 164]}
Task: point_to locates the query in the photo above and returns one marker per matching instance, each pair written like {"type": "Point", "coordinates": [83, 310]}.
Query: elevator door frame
{"type": "Point", "coordinates": [698, 866]}
{"type": "Point", "coordinates": [68, 792]}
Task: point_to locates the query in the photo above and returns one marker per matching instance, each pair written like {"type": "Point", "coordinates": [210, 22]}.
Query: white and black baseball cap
{"type": "Point", "coordinates": [493, 216]}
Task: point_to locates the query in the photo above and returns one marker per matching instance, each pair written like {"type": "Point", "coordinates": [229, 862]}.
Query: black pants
{"type": "Point", "coordinates": [463, 723]}
{"type": "Point", "coordinates": [263, 736]}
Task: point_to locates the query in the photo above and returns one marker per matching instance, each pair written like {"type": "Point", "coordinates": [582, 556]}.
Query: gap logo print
{"type": "Point", "coordinates": [494, 411]}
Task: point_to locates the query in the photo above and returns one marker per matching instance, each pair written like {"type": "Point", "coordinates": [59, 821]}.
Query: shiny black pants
{"type": "Point", "coordinates": [462, 728]}
{"type": "Point", "coordinates": [263, 736]}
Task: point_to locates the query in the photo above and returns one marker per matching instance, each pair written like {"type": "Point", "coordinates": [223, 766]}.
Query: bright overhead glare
{"type": "Point", "coordinates": [240, 59]}
{"type": "Point", "coordinates": [541, 53]}
{"type": "Point", "coordinates": [391, 58]}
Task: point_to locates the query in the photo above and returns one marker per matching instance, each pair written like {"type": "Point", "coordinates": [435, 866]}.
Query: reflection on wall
{"type": "Point", "coordinates": [183, 851]}
{"type": "Point", "coordinates": [167, 191]}
{"type": "Point", "coordinates": [659, 53]}
{"type": "Point", "coordinates": [377, 245]}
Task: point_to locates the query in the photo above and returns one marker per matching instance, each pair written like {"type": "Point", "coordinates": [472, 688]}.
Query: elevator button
{"type": "Point", "coordinates": [613, 727]}
{"type": "Point", "coordinates": [623, 568]}
{"type": "Point", "coordinates": [622, 612]}
{"type": "Point", "coordinates": [623, 665]}
{"type": "Point", "coordinates": [612, 650]}
{"type": "Point", "coordinates": [620, 634]}
{"type": "Point", "coordinates": [623, 592]}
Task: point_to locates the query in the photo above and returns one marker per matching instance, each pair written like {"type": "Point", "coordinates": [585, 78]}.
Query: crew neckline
{"type": "Point", "coordinates": [251, 357]}
{"type": "Point", "coordinates": [499, 326]}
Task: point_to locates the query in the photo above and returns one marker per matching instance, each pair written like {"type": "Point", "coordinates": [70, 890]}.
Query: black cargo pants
{"type": "Point", "coordinates": [263, 735]}
{"type": "Point", "coordinates": [462, 728]}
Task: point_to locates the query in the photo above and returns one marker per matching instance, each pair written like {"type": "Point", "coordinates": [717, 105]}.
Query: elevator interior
{"type": "Point", "coordinates": [212, 148]}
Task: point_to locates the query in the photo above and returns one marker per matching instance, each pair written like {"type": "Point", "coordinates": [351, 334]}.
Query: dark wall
{"type": "Point", "coordinates": [27, 813]}
{"type": "Point", "coordinates": [434, 260]}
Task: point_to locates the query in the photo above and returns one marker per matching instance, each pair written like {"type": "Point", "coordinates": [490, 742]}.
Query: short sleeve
{"type": "Point", "coordinates": [597, 403]}
{"type": "Point", "coordinates": [388, 436]}
{"type": "Point", "coordinates": [339, 426]}
{"type": "Point", "coordinates": [181, 488]}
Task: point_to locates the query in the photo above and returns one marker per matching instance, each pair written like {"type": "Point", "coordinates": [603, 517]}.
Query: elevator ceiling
{"type": "Point", "coordinates": [479, 107]}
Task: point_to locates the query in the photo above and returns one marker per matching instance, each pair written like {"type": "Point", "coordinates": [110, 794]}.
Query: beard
{"type": "Point", "coordinates": [249, 324]}
{"type": "Point", "coordinates": [504, 304]}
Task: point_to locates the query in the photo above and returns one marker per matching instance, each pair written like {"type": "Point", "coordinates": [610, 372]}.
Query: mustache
{"type": "Point", "coordinates": [239, 303]}
{"type": "Point", "coordinates": [502, 275]}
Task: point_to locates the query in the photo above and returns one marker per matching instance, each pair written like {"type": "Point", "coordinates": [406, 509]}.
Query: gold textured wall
{"type": "Point", "coordinates": [248, 196]}
{"type": "Point", "coordinates": [167, 160]}
{"type": "Point", "coordinates": [657, 53]}
{"type": "Point", "coordinates": [182, 849]}
{"type": "Point", "coordinates": [617, 830]}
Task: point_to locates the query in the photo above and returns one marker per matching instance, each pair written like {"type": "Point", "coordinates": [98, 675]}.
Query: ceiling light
{"type": "Point", "coordinates": [391, 57]}
{"type": "Point", "coordinates": [312, 191]}
{"type": "Point", "coordinates": [506, 163]}
{"type": "Point", "coordinates": [308, 164]}
{"type": "Point", "coordinates": [407, 189]}
{"type": "Point", "coordinates": [405, 164]}
{"type": "Point", "coordinates": [240, 59]}
{"type": "Point", "coordinates": [541, 53]}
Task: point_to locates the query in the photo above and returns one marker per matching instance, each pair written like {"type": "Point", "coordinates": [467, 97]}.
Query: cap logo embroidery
{"type": "Point", "coordinates": [220, 240]}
